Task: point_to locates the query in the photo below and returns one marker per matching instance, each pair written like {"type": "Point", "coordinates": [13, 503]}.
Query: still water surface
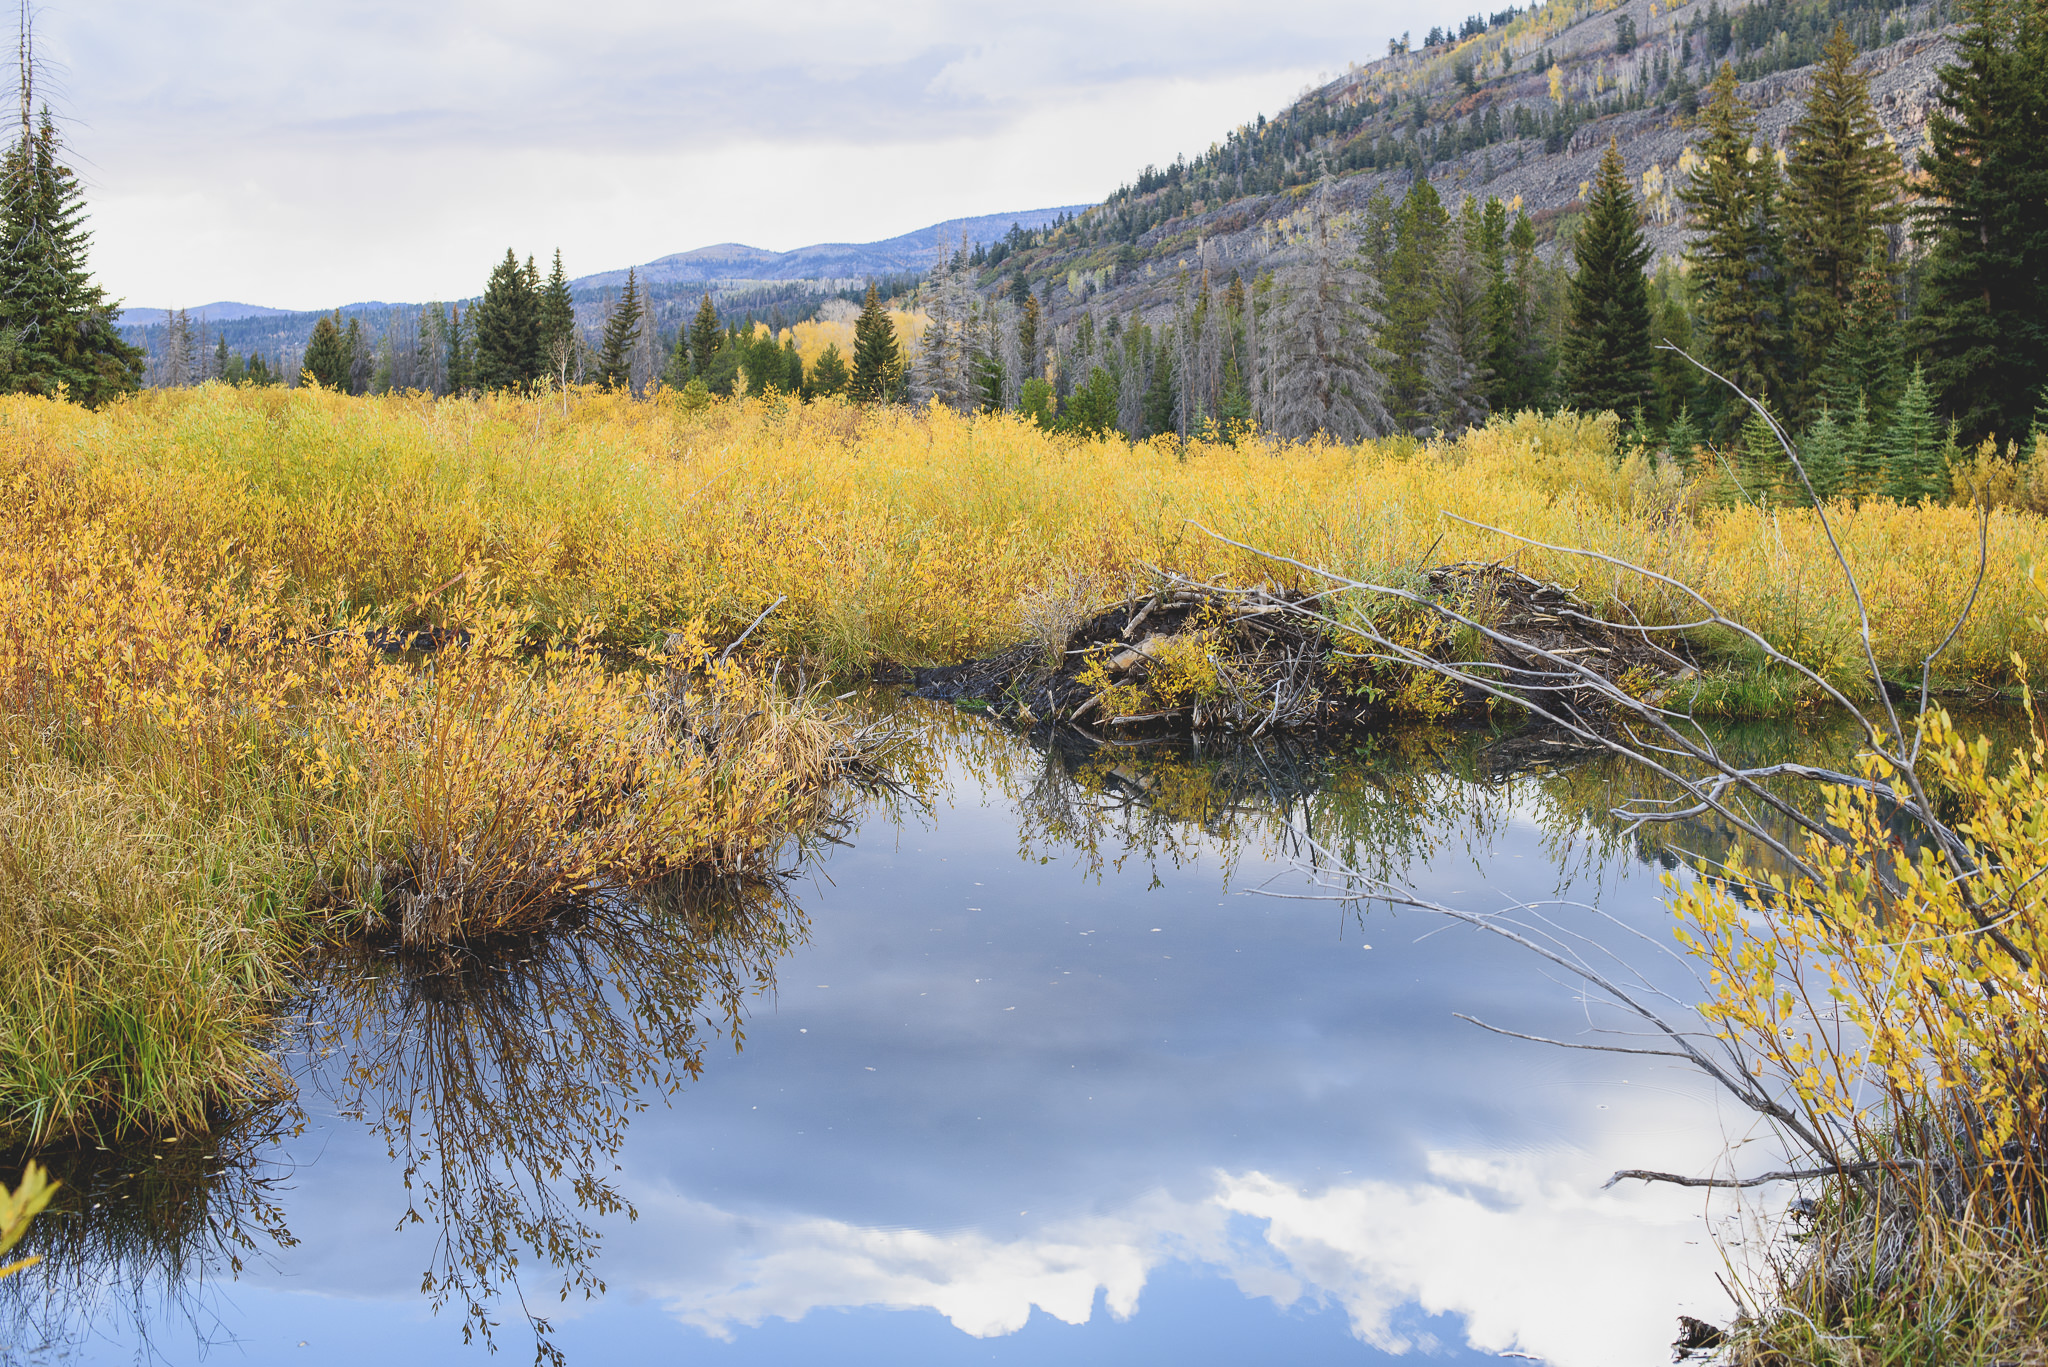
{"type": "Point", "coordinates": [1044, 1076]}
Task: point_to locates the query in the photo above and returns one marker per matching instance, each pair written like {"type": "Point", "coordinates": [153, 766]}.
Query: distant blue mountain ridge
{"type": "Point", "coordinates": [725, 263]}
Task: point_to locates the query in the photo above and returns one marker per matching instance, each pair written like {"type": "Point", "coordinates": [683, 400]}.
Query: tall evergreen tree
{"type": "Point", "coordinates": [1984, 311]}
{"type": "Point", "coordinates": [461, 351]}
{"type": "Point", "coordinates": [57, 327]}
{"type": "Point", "coordinates": [876, 357]}
{"type": "Point", "coordinates": [327, 358]}
{"type": "Point", "coordinates": [705, 336]}
{"type": "Point", "coordinates": [505, 326]}
{"type": "Point", "coordinates": [1866, 360]}
{"type": "Point", "coordinates": [1735, 255]}
{"type": "Point", "coordinates": [1843, 188]}
{"type": "Point", "coordinates": [621, 331]}
{"type": "Point", "coordinates": [1607, 338]}
{"type": "Point", "coordinates": [1521, 360]}
{"type": "Point", "coordinates": [1455, 373]}
{"type": "Point", "coordinates": [557, 324]}
{"type": "Point", "coordinates": [1422, 227]}
{"type": "Point", "coordinates": [1911, 450]}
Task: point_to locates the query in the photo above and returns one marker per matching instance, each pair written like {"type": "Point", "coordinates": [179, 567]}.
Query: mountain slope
{"type": "Point", "coordinates": [910, 253]}
{"type": "Point", "coordinates": [1519, 109]}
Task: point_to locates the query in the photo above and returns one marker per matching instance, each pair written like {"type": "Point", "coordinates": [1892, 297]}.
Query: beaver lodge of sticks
{"type": "Point", "coordinates": [1205, 657]}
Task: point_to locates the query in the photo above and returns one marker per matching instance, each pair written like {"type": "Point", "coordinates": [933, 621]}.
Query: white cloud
{"type": "Point", "coordinates": [1524, 1247]}
{"type": "Point", "coordinates": [305, 156]}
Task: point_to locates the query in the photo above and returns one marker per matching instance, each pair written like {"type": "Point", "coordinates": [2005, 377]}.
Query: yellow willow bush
{"type": "Point", "coordinates": [489, 792]}
{"type": "Point", "coordinates": [925, 537]}
{"type": "Point", "coordinates": [1896, 995]}
{"type": "Point", "coordinates": [198, 782]}
{"type": "Point", "coordinates": [1907, 984]}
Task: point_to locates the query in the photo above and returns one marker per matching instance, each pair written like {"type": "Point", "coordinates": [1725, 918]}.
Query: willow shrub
{"type": "Point", "coordinates": [199, 781]}
{"type": "Point", "coordinates": [1899, 1001]}
{"type": "Point", "coordinates": [922, 537]}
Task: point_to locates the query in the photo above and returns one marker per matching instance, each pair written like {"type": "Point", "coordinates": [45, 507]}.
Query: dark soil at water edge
{"type": "Point", "coordinates": [1200, 657]}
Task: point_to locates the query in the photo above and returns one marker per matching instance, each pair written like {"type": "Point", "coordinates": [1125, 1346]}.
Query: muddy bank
{"type": "Point", "coordinates": [1213, 658]}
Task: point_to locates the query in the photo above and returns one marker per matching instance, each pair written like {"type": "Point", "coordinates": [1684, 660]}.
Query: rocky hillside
{"type": "Point", "coordinates": [1520, 109]}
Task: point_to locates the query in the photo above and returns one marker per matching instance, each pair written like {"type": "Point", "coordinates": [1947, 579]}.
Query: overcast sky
{"type": "Point", "coordinates": [306, 155]}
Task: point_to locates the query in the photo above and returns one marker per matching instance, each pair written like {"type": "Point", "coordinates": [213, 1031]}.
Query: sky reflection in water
{"type": "Point", "coordinates": [1042, 1084]}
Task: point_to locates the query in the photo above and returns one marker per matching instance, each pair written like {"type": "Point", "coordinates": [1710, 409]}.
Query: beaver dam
{"type": "Point", "coordinates": [1201, 657]}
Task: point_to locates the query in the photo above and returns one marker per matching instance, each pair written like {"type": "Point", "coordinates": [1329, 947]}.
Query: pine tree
{"type": "Point", "coordinates": [1420, 229]}
{"type": "Point", "coordinates": [792, 382]}
{"type": "Point", "coordinates": [1607, 337]}
{"type": "Point", "coordinates": [1764, 469]}
{"type": "Point", "coordinates": [1911, 450]}
{"type": "Point", "coordinates": [1865, 463]}
{"type": "Point", "coordinates": [461, 353]}
{"type": "Point", "coordinates": [1521, 359]}
{"type": "Point", "coordinates": [1329, 380]}
{"type": "Point", "coordinates": [1454, 370]}
{"type": "Point", "coordinates": [327, 358]}
{"type": "Point", "coordinates": [504, 326]}
{"type": "Point", "coordinates": [1824, 453]}
{"type": "Point", "coordinates": [1682, 439]}
{"type": "Point", "coordinates": [1162, 403]}
{"type": "Point", "coordinates": [1865, 359]}
{"type": "Point", "coordinates": [621, 331]}
{"type": "Point", "coordinates": [557, 324]}
{"type": "Point", "coordinates": [221, 359]}
{"type": "Point", "coordinates": [1984, 319]}
{"type": "Point", "coordinates": [829, 375]}
{"type": "Point", "coordinates": [705, 336]}
{"type": "Point", "coordinates": [1735, 254]}
{"type": "Point", "coordinates": [57, 327]}
{"type": "Point", "coordinates": [876, 357]}
{"type": "Point", "coordinates": [1843, 188]}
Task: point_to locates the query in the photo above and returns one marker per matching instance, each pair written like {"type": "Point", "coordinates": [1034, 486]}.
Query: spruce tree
{"type": "Point", "coordinates": [222, 361]}
{"type": "Point", "coordinates": [876, 357]}
{"type": "Point", "coordinates": [504, 326]}
{"type": "Point", "coordinates": [1682, 439]}
{"type": "Point", "coordinates": [1824, 453]}
{"type": "Point", "coordinates": [557, 323]}
{"type": "Point", "coordinates": [360, 359]}
{"type": "Point", "coordinates": [327, 358]}
{"type": "Point", "coordinates": [705, 336]}
{"type": "Point", "coordinates": [1607, 337]}
{"type": "Point", "coordinates": [57, 327]}
{"type": "Point", "coordinates": [621, 331]}
{"type": "Point", "coordinates": [1866, 359]}
{"type": "Point", "coordinates": [1162, 401]}
{"type": "Point", "coordinates": [828, 375]}
{"type": "Point", "coordinates": [1984, 312]}
{"type": "Point", "coordinates": [1522, 362]}
{"type": "Point", "coordinates": [1421, 229]}
{"type": "Point", "coordinates": [1911, 449]}
{"type": "Point", "coordinates": [1735, 255]}
{"type": "Point", "coordinates": [461, 352]}
{"type": "Point", "coordinates": [1860, 454]}
{"type": "Point", "coordinates": [792, 382]}
{"type": "Point", "coordinates": [1764, 469]}
{"type": "Point", "coordinates": [1843, 188]}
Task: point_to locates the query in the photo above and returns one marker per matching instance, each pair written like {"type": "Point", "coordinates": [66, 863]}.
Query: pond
{"type": "Point", "coordinates": [1041, 1064]}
